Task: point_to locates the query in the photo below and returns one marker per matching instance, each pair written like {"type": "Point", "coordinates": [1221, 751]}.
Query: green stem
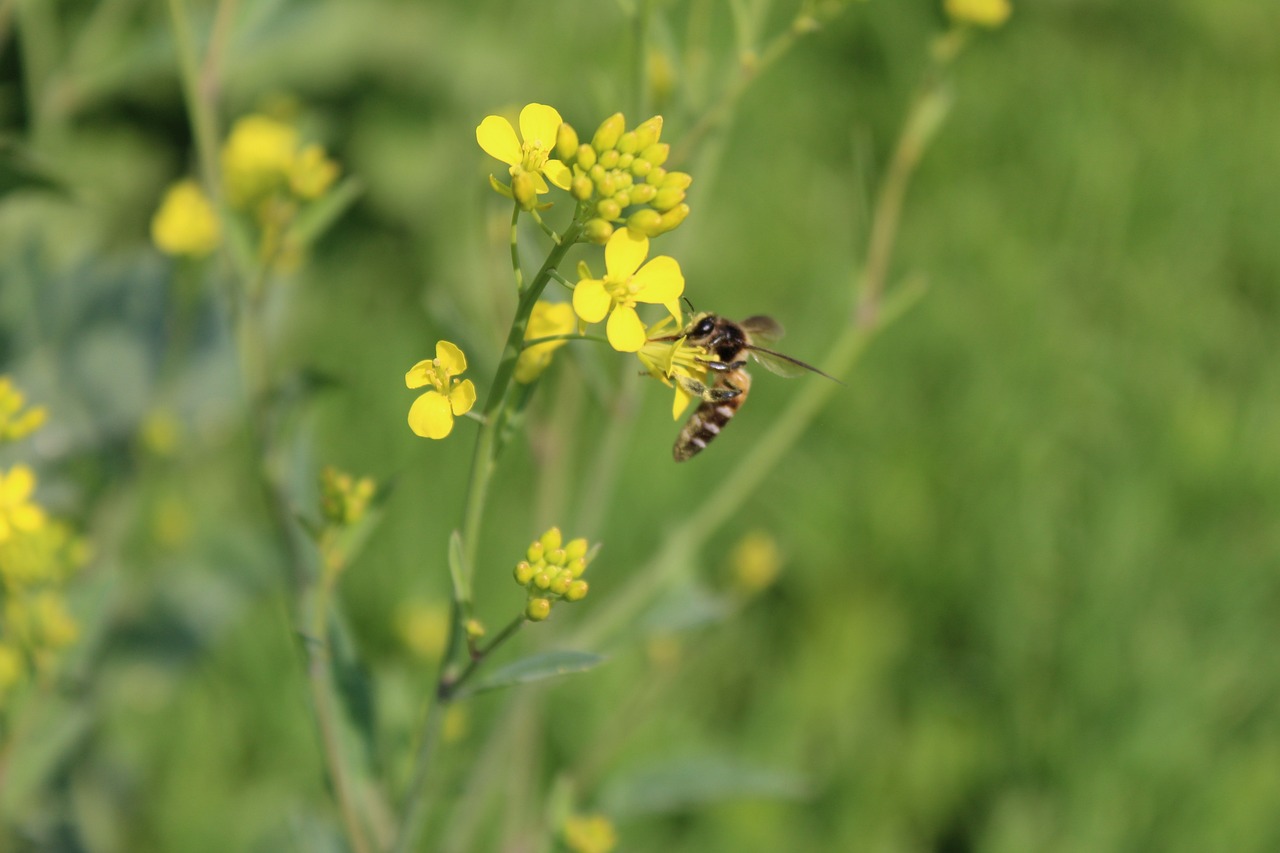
{"type": "Point", "coordinates": [200, 111]}
{"type": "Point", "coordinates": [448, 690]}
{"type": "Point", "coordinates": [515, 248]}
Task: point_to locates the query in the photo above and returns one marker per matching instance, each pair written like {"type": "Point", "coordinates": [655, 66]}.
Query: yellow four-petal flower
{"type": "Point", "coordinates": [432, 414]}
{"type": "Point", "coordinates": [539, 125]}
{"type": "Point", "coordinates": [626, 283]}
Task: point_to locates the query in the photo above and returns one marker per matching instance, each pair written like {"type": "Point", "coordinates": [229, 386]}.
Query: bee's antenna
{"type": "Point", "coordinates": [692, 310]}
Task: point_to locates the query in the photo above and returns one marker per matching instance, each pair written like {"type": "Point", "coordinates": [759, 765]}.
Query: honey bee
{"type": "Point", "coordinates": [731, 343]}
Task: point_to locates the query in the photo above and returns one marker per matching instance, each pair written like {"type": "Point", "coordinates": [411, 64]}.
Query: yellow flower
{"type": "Point", "coordinates": [677, 364]}
{"type": "Point", "coordinates": [186, 223]}
{"type": "Point", "coordinates": [423, 627]}
{"type": "Point", "coordinates": [755, 561]}
{"type": "Point", "coordinates": [312, 173]}
{"type": "Point", "coordinates": [547, 319]}
{"type": "Point", "coordinates": [17, 513]}
{"type": "Point", "coordinates": [589, 834]}
{"type": "Point", "coordinates": [257, 158]}
{"type": "Point", "coordinates": [539, 126]}
{"type": "Point", "coordinates": [659, 282]}
{"type": "Point", "coordinates": [15, 423]}
{"type": "Point", "coordinates": [984, 13]}
{"type": "Point", "coordinates": [432, 414]}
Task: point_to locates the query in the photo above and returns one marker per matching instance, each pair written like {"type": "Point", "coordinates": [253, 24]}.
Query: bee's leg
{"type": "Point", "coordinates": [705, 392]}
{"type": "Point", "coordinates": [721, 366]}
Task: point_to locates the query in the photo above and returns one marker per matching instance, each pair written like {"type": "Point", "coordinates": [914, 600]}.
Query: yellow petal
{"type": "Point", "coordinates": [539, 124]}
{"type": "Point", "coordinates": [498, 139]}
{"type": "Point", "coordinates": [463, 397]}
{"type": "Point", "coordinates": [681, 402]}
{"type": "Point", "coordinates": [590, 300]}
{"type": "Point", "coordinates": [558, 173]}
{"type": "Point", "coordinates": [17, 486]}
{"type": "Point", "coordinates": [625, 331]}
{"type": "Point", "coordinates": [27, 517]}
{"type": "Point", "coordinates": [624, 253]}
{"type": "Point", "coordinates": [659, 281]}
{"type": "Point", "coordinates": [422, 373]}
{"type": "Point", "coordinates": [452, 361]}
{"type": "Point", "coordinates": [539, 185]}
{"type": "Point", "coordinates": [430, 416]}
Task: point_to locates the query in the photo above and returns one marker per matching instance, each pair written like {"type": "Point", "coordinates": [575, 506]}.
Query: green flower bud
{"type": "Point", "coordinates": [551, 539]}
{"type": "Point", "coordinates": [582, 187]}
{"type": "Point", "coordinates": [656, 176]}
{"type": "Point", "coordinates": [609, 159]}
{"type": "Point", "coordinates": [608, 185]}
{"type": "Point", "coordinates": [597, 173]}
{"type": "Point", "coordinates": [525, 191]}
{"type": "Point", "coordinates": [576, 591]}
{"type": "Point", "coordinates": [627, 143]}
{"type": "Point", "coordinates": [678, 179]}
{"type": "Point", "coordinates": [584, 270]}
{"type": "Point", "coordinates": [625, 160]}
{"type": "Point", "coordinates": [537, 609]}
{"type": "Point", "coordinates": [598, 231]}
{"type": "Point", "coordinates": [622, 198]}
{"type": "Point", "coordinates": [576, 549]}
{"type": "Point", "coordinates": [557, 557]}
{"type": "Point", "coordinates": [648, 132]}
{"type": "Point", "coordinates": [474, 629]}
{"type": "Point", "coordinates": [542, 580]}
{"type": "Point", "coordinates": [667, 198]}
{"type": "Point", "coordinates": [647, 222]}
{"type": "Point", "coordinates": [566, 142]}
{"type": "Point", "coordinates": [657, 153]}
{"type": "Point", "coordinates": [523, 573]}
{"type": "Point", "coordinates": [640, 167]}
{"type": "Point", "coordinates": [577, 566]}
{"type": "Point", "coordinates": [673, 217]}
{"type": "Point", "coordinates": [534, 554]}
{"type": "Point", "coordinates": [586, 157]}
{"type": "Point", "coordinates": [643, 194]}
{"type": "Point", "coordinates": [609, 209]}
{"type": "Point", "coordinates": [623, 180]}
{"type": "Point", "coordinates": [606, 136]}
{"type": "Point", "coordinates": [560, 583]}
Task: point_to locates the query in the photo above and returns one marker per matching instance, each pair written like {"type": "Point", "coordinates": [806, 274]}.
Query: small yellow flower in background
{"type": "Point", "coordinates": [432, 414]}
{"type": "Point", "coordinates": [186, 223]}
{"type": "Point", "coordinates": [312, 173]}
{"type": "Point", "coordinates": [15, 422]}
{"type": "Point", "coordinates": [626, 283]}
{"type": "Point", "coordinates": [343, 498]}
{"type": "Point", "coordinates": [423, 627]}
{"type": "Point", "coordinates": [589, 834]}
{"type": "Point", "coordinates": [257, 158]}
{"type": "Point", "coordinates": [17, 513]}
{"type": "Point", "coordinates": [677, 364]}
{"type": "Point", "coordinates": [47, 555]}
{"type": "Point", "coordinates": [755, 562]}
{"type": "Point", "coordinates": [983, 13]}
{"type": "Point", "coordinates": [530, 161]}
{"type": "Point", "coordinates": [547, 319]}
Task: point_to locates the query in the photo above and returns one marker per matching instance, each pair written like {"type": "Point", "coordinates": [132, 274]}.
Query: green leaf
{"type": "Point", "coordinates": [685, 783]}
{"type": "Point", "coordinates": [536, 668]}
{"type": "Point", "coordinates": [19, 170]}
{"type": "Point", "coordinates": [458, 570]}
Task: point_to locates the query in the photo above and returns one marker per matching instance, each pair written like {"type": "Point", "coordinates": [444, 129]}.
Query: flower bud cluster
{"type": "Point", "coordinates": [344, 499]}
{"type": "Point", "coordinates": [620, 174]}
{"type": "Point", "coordinates": [552, 570]}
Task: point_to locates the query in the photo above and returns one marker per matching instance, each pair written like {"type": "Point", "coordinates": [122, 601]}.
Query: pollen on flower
{"type": "Point", "coordinates": [432, 414]}
{"type": "Point", "coordinates": [186, 223]}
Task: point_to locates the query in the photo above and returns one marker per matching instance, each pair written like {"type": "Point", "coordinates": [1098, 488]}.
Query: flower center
{"type": "Point", "coordinates": [439, 376]}
{"type": "Point", "coordinates": [534, 155]}
{"type": "Point", "coordinates": [622, 291]}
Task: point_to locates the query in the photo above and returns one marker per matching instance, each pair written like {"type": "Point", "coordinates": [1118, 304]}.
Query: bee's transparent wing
{"type": "Point", "coordinates": [762, 329]}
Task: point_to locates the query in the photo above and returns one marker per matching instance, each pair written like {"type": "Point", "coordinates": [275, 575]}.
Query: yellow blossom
{"type": "Point", "coordinates": [755, 562]}
{"type": "Point", "coordinates": [15, 422]}
{"type": "Point", "coordinates": [312, 173]}
{"type": "Point", "coordinates": [17, 513]}
{"type": "Point", "coordinates": [625, 284]}
{"type": "Point", "coordinates": [589, 834]}
{"type": "Point", "coordinates": [432, 414]}
{"type": "Point", "coordinates": [48, 554]}
{"type": "Point", "coordinates": [257, 158]}
{"type": "Point", "coordinates": [186, 223]}
{"type": "Point", "coordinates": [529, 160]}
{"type": "Point", "coordinates": [667, 357]}
{"type": "Point", "coordinates": [984, 13]}
{"type": "Point", "coordinates": [423, 627]}
{"type": "Point", "coordinates": [547, 319]}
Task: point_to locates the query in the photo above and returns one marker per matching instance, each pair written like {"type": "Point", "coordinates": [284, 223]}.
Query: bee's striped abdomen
{"type": "Point", "coordinates": [711, 417]}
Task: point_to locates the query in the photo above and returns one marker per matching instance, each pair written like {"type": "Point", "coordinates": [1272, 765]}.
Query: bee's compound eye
{"type": "Point", "coordinates": [704, 327]}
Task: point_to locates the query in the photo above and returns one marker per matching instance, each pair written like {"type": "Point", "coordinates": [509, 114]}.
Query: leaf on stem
{"type": "Point", "coordinates": [536, 668]}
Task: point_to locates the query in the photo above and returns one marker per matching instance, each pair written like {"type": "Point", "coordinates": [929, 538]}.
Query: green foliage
{"type": "Point", "coordinates": [1028, 600]}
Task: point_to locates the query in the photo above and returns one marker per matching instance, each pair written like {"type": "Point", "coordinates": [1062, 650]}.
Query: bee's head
{"type": "Point", "coordinates": [701, 327]}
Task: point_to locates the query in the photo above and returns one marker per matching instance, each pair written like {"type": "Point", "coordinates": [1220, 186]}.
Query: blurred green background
{"type": "Point", "coordinates": [1030, 591]}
